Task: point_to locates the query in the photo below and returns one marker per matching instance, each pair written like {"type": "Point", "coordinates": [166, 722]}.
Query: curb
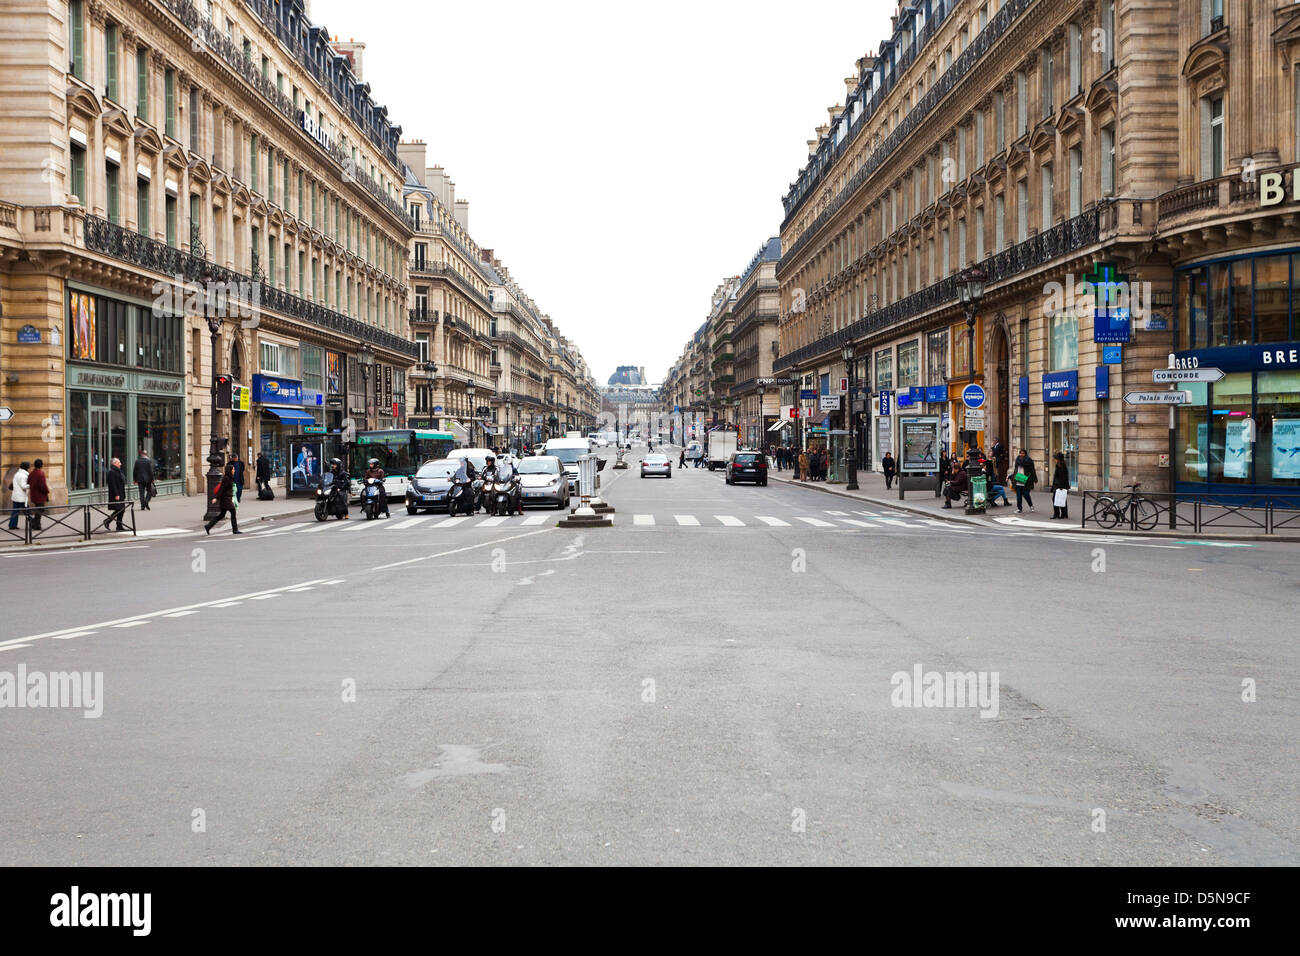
{"type": "Point", "coordinates": [1063, 529]}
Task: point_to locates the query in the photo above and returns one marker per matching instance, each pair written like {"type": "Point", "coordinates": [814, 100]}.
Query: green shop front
{"type": "Point", "coordinates": [125, 392]}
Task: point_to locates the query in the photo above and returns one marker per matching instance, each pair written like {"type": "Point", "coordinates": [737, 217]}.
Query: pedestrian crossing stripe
{"type": "Point", "coordinates": [815, 522]}
{"type": "Point", "coordinates": [772, 522]}
{"type": "Point", "coordinates": [730, 521]}
{"type": "Point", "coordinates": [688, 520]}
{"type": "Point", "coordinates": [643, 520]}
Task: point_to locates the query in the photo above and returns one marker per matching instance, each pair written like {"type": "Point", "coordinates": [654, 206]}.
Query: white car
{"type": "Point", "coordinates": [598, 442]}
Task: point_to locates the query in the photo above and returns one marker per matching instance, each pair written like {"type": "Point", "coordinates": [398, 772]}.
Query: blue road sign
{"type": "Point", "coordinates": [972, 396]}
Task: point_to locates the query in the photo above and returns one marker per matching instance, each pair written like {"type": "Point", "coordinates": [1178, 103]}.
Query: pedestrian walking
{"type": "Point", "coordinates": [803, 466]}
{"type": "Point", "coordinates": [225, 500]}
{"type": "Point", "coordinates": [142, 475]}
{"type": "Point", "coordinates": [239, 476]}
{"type": "Point", "coordinates": [18, 500]}
{"type": "Point", "coordinates": [262, 473]}
{"type": "Point", "coordinates": [1024, 478]}
{"type": "Point", "coordinates": [1060, 488]}
{"type": "Point", "coordinates": [890, 467]}
{"type": "Point", "coordinates": [681, 460]}
{"type": "Point", "coordinates": [116, 481]}
{"type": "Point", "coordinates": [38, 492]}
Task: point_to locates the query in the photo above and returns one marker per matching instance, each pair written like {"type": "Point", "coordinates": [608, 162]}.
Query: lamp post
{"type": "Point", "coordinates": [470, 389]}
{"type": "Point", "coordinates": [762, 418]}
{"type": "Point", "coordinates": [970, 290]}
{"type": "Point", "coordinates": [366, 360]}
{"type": "Point", "coordinates": [847, 353]}
{"type": "Point", "coordinates": [216, 457]}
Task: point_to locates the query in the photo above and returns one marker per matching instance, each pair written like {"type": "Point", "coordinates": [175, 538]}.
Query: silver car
{"type": "Point", "coordinates": [656, 464]}
{"type": "Point", "coordinates": [544, 481]}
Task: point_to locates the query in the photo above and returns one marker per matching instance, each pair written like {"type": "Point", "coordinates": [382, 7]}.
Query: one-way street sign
{"type": "Point", "coordinates": [1157, 398]}
{"type": "Point", "coordinates": [1166, 375]}
{"type": "Point", "coordinates": [6, 413]}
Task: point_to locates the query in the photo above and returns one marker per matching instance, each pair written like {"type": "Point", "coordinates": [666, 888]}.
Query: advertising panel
{"type": "Point", "coordinates": [920, 438]}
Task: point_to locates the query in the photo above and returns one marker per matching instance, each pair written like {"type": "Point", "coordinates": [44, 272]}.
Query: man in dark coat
{"type": "Point", "coordinates": [239, 475]}
{"type": "Point", "coordinates": [142, 475]}
{"type": "Point", "coordinates": [116, 481]}
{"type": "Point", "coordinates": [1000, 460]}
{"type": "Point", "coordinates": [263, 472]}
{"type": "Point", "coordinates": [890, 468]}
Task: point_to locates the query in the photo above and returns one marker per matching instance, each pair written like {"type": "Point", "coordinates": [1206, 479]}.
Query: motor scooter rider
{"type": "Point", "coordinates": [467, 475]}
{"type": "Point", "coordinates": [339, 479]}
{"type": "Point", "coordinates": [506, 473]}
{"type": "Point", "coordinates": [375, 471]}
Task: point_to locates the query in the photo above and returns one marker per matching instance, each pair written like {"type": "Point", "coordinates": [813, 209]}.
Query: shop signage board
{"type": "Point", "coordinates": [1112, 354]}
{"type": "Point", "coordinates": [807, 394]}
{"type": "Point", "coordinates": [271, 389]}
{"type": "Point", "coordinates": [936, 393]}
{"type": "Point", "coordinates": [830, 403]}
{"type": "Point", "coordinates": [1103, 381]}
{"type": "Point", "coordinates": [1024, 390]}
{"type": "Point", "coordinates": [972, 396]}
{"type": "Point", "coordinates": [1060, 386]}
{"type": "Point", "coordinates": [1157, 398]}
{"type": "Point", "coordinates": [844, 385]}
{"type": "Point", "coordinates": [884, 404]}
{"type": "Point", "coordinates": [1241, 358]}
{"type": "Point", "coordinates": [1163, 376]}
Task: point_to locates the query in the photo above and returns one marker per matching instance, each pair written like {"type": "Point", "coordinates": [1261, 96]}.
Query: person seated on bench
{"type": "Point", "coordinates": [957, 485]}
{"type": "Point", "coordinates": [999, 491]}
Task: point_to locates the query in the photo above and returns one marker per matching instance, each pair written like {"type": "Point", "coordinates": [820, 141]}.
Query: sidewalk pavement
{"type": "Point", "coordinates": [185, 512]}
{"type": "Point", "coordinates": [872, 491]}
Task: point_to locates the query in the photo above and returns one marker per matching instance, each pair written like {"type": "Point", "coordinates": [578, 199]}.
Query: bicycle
{"type": "Point", "coordinates": [1140, 511]}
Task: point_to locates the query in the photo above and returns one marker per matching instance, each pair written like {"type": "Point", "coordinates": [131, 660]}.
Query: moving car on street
{"type": "Point", "coordinates": [747, 466]}
{"type": "Point", "coordinates": [656, 464]}
{"type": "Point", "coordinates": [429, 486]}
{"type": "Point", "coordinates": [544, 481]}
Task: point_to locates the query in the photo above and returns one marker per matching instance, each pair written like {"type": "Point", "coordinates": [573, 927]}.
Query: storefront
{"type": "Point", "coordinates": [125, 392]}
{"type": "Point", "coordinates": [1241, 433]}
{"type": "Point", "coordinates": [281, 417]}
{"type": "Point", "coordinates": [1061, 401]}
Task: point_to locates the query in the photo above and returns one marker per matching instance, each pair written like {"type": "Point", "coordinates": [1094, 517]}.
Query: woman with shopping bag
{"type": "Point", "coordinates": [1024, 477]}
{"type": "Point", "coordinates": [1060, 488]}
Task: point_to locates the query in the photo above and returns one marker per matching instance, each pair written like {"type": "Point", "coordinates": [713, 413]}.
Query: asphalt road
{"type": "Point", "coordinates": [710, 681]}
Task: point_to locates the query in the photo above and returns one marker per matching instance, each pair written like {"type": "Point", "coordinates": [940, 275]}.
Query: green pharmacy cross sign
{"type": "Point", "coordinates": [1110, 325]}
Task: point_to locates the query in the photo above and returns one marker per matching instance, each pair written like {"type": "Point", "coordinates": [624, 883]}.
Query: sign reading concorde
{"type": "Point", "coordinates": [1166, 375]}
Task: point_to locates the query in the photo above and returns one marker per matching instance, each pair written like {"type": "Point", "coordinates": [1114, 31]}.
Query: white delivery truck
{"type": "Point", "coordinates": [722, 443]}
{"type": "Point", "coordinates": [569, 449]}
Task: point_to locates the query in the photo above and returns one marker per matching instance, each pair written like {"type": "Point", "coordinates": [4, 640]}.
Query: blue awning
{"type": "Point", "coordinates": [291, 416]}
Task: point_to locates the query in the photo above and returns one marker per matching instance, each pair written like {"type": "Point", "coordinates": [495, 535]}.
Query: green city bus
{"type": "Point", "coordinates": [401, 452]}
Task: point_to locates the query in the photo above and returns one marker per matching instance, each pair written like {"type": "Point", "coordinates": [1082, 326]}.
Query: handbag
{"type": "Point", "coordinates": [1060, 498]}
{"type": "Point", "coordinates": [1020, 478]}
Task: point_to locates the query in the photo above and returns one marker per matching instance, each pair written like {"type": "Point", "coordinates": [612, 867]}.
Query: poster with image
{"type": "Point", "coordinates": [306, 457]}
{"type": "Point", "coordinates": [1286, 448]}
{"type": "Point", "coordinates": [333, 377]}
{"type": "Point", "coordinates": [83, 326]}
{"type": "Point", "coordinates": [1236, 451]}
{"type": "Point", "coordinates": [920, 444]}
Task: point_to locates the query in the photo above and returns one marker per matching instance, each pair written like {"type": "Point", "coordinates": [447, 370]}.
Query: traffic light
{"type": "Point", "coordinates": [223, 391]}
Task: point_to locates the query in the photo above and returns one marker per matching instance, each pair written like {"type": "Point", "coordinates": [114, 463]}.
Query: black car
{"type": "Point", "coordinates": [747, 466]}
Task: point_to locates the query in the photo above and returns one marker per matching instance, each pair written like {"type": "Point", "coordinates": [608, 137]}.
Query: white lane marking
{"type": "Point", "coordinates": [645, 521]}
{"type": "Point", "coordinates": [533, 521]}
{"type": "Point", "coordinates": [14, 647]}
{"type": "Point", "coordinates": [451, 522]}
{"type": "Point", "coordinates": [773, 522]}
{"type": "Point", "coordinates": [264, 597]}
{"type": "Point", "coordinates": [226, 604]}
{"type": "Point", "coordinates": [689, 521]}
{"type": "Point", "coordinates": [858, 524]}
{"type": "Point", "coordinates": [867, 514]}
{"type": "Point", "coordinates": [897, 523]}
{"type": "Point", "coordinates": [152, 614]}
{"type": "Point", "coordinates": [838, 514]}
{"type": "Point", "coordinates": [361, 524]}
{"type": "Point", "coordinates": [180, 614]}
{"type": "Point", "coordinates": [411, 522]}
{"type": "Point", "coordinates": [468, 547]}
{"type": "Point", "coordinates": [131, 624]}
{"type": "Point", "coordinates": [491, 522]}
{"type": "Point", "coordinates": [730, 521]}
{"type": "Point", "coordinates": [283, 528]}
{"type": "Point", "coordinates": [159, 532]}
{"type": "Point", "coordinates": [68, 637]}
{"type": "Point", "coordinates": [300, 590]}
{"type": "Point", "coordinates": [319, 526]}
{"type": "Point", "coordinates": [54, 551]}
{"type": "Point", "coordinates": [815, 522]}
{"type": "Point", "coordinates": [326, 583]}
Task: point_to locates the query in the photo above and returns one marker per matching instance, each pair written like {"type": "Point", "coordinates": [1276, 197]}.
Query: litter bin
{"type": "Point", "coordinates": [979, 492]}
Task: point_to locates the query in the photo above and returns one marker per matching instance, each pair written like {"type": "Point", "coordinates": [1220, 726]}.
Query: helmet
{"type": "Point", "coordinates": [490, 457]}
{"type": "Point", "coordinates": [336, 461]}
{"type": "Point", "coordinates": [372, 462]}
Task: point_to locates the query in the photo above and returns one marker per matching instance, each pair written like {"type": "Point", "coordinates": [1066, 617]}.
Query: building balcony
{"type": "Point", "coordinates": [104, 237]}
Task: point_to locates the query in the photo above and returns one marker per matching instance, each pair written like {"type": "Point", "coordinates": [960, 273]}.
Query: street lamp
{"type": "Point", "coordinates": [216, 457]}
{"type": "Point", "coordinates": [847, 353]}
{"type": "Point", "coordinates": [970, 290]}
{"type": "Point", "coordinates": [762, 417]}
{"type": "Point", "coordinates": [366, 360]}
{"type": "Point", "coordinates": [470, 389]}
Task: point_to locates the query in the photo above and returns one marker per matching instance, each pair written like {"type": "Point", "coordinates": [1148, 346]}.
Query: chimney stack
{"type": "Point", "coordinates": [461, 212]}
{"type": "Point", "coordinates": [413, 154]}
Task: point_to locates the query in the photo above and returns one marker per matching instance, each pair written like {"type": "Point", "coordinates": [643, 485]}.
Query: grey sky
{"type": "Point", "coordinates": [619, 158]}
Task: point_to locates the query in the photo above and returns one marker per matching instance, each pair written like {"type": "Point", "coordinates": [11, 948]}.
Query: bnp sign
{"type": "Point", "coordinates": [1272, 190]}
